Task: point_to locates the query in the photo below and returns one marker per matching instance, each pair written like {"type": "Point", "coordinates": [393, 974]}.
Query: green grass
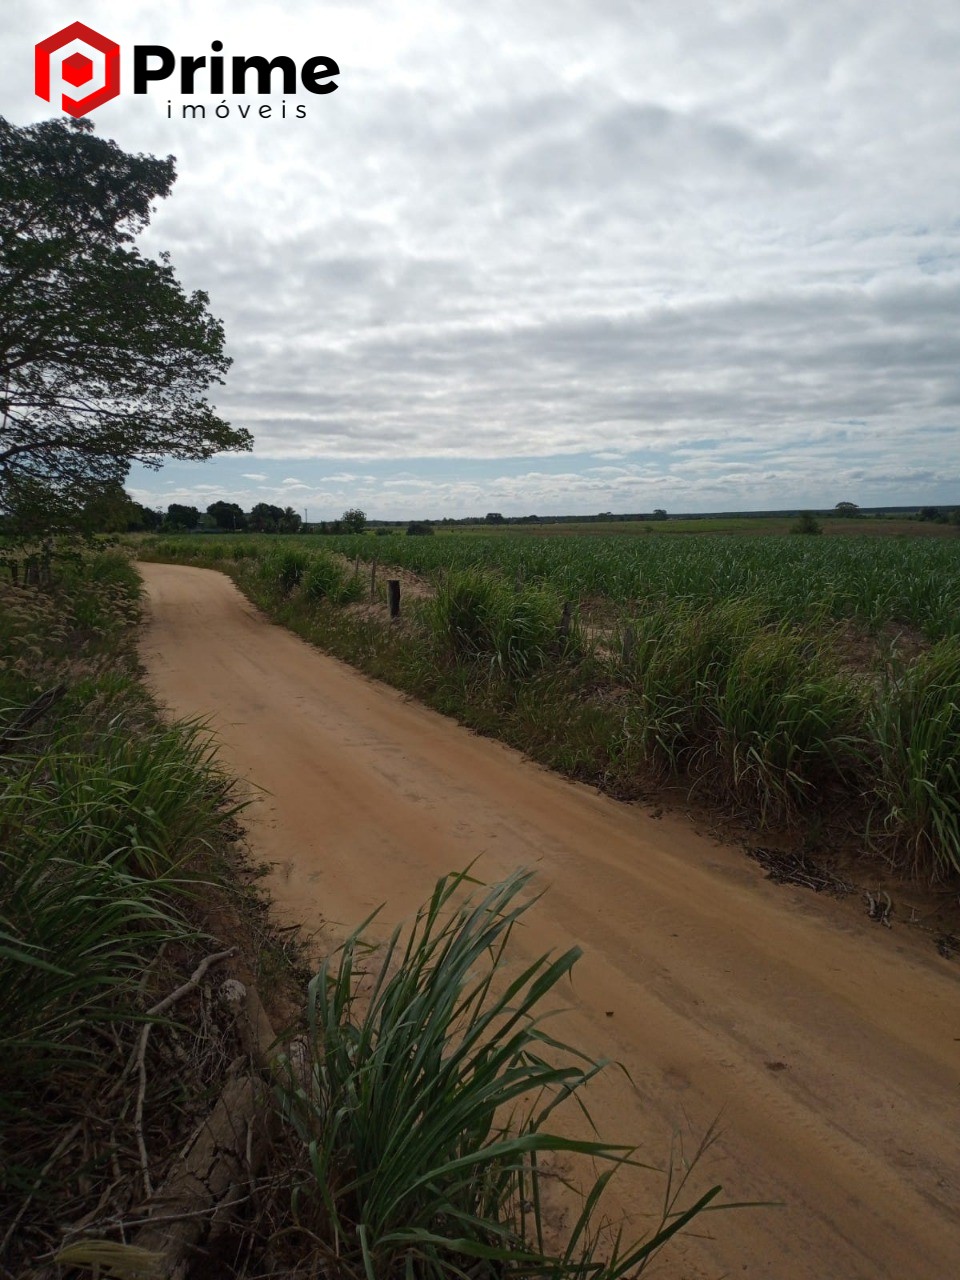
{"type": "Point", "coordinates": [911, 583]}
{"type": "Point", "coordinates": [326, 579]}
{"type": "Point", "coordinates": [914, 728]}
{"type": "Point", "coordinates": [694, 526]}
{"type": "Point", "coordinates": [75, 938]}
{"type": "Point", "coordinates": [108, 821]}
{"type": "Point", "coordinates": [427, 1111]}
{"type": "Point", "coordinates": [789, 725]}
{"type": "Point", "coordinates": [477, 616]}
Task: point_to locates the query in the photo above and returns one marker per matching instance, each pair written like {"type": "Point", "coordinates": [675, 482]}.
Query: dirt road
{"type": "Point", "coordinates": [830, 1046]}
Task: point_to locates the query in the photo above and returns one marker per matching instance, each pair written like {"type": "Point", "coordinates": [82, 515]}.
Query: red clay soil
{"type": "Point", "coordinates": [829, 1047]}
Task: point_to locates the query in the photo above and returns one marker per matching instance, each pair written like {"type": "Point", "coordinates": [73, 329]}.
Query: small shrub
{"type": "Point", "coordinates": [807, 523]}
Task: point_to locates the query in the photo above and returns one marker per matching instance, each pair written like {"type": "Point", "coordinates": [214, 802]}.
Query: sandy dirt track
{"type": "Point", "coordinates": [830, 1046]}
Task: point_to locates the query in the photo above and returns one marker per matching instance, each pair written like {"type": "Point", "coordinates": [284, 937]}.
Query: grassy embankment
{"type": "Point", "coordinates": [807, 683]}
{"type": "Point", "coordinates": [111, 823]}
{"type": "Point", "coordinates": [387, 1155]}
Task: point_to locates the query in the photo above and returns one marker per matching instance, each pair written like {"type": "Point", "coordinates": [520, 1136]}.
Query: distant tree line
{"type": "Point", "coordinates": [603, 517]}
{"type": "Point", "coordinates": [229, 517]}
{"type": "Point", "coordinates": [111, 510]}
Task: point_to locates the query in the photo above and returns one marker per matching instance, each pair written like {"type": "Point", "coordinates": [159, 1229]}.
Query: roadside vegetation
{"type": "Point", "coordinates": [806, 683]}
{"type": "Point", "coordinates": [114, 830]}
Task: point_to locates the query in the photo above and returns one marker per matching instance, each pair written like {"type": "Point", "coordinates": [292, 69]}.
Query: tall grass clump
{"type": "Point", "coordinates": [284, 568]}
{"type": "Point", "coordinates": [246, 551]}
{"type": "Point", "coordinates": [757, 712]}
{"type": "Point", "coordinates": [787, 724]}
{"type": "Point", "coordinates": [914, 729]}
{"type": "Point", "coordinates": [154, 792]}
{"type": "Point", "coordinates": [477, 616]}
{"type": "Point", "coordinates": [326, 579]}
{"type": "Point", "coordinates": [75, 939]}
{"type": "Point", "coordinates": [676, 655]}
{"type": "Point", "coordinates": [423, 1118]}
{"type": "Point", "coordinates": [96, 830]}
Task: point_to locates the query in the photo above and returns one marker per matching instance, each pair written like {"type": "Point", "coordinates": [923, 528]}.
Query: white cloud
{"type": "Point", "coordinates": [561, 229]}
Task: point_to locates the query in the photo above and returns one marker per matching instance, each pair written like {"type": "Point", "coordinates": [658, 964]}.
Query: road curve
{"type": "Point", "coordinates": [830, 1048]}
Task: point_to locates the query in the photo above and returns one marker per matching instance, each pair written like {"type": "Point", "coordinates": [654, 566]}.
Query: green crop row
{"type": "Point", "coordinates": [913, 582]}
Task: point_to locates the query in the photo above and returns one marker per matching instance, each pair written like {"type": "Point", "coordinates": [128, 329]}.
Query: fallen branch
{"type": "Point", "coordinates": [227, 1148]}
{"type": "Point", "coordinates": [222, 1156]}
{"type": "Point", "coordinates": [30, 715]}
{"type": "Point", "coordinates": [206, 1178]}
{"type": "Point", "coordinates": [135, 1059]}
{"type": "Point", "coordinates": [158, 1011]}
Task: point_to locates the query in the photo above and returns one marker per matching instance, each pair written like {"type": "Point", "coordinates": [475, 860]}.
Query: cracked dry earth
{"type": "Point", "coordinates": [829, 1049]}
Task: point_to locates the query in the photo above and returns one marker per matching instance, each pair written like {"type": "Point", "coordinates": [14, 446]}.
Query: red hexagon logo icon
{"type": "Point", "coordinates": [77, 57]}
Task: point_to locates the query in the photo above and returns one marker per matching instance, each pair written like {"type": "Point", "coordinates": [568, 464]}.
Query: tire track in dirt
{"type": "Point", "coordinates": [828, 1047]}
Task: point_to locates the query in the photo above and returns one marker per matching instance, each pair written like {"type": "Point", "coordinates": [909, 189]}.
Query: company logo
{"type": "Point", "coordinates": [77, 58]}
{"type": "Point", "coordinates": [78, 69]}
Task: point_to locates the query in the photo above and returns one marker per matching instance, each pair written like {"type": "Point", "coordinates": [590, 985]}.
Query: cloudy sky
{"type": "Point", "coordinates": [559, 255]}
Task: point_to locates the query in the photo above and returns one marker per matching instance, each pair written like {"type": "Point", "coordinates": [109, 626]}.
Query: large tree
{"type": "Point", "coordinates": [180, 516]}
{"type": "Point", "coordinates": [104, 358]}
{"type": "Point", "coordinates": [228, 515]}
{"type": "Point", "coordinates": [266, 518]}
{"type": "Point", "coordinates": [353, 520]}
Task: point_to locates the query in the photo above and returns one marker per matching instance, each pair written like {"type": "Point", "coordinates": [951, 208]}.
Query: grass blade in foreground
{"type": "Point", "coordinates": [423, 1117]}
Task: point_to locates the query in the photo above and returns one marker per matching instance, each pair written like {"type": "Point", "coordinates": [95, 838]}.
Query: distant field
{"type": "Point", "coordinates": [913, 582]}
{"type": "Point", "coordinates": [749, 526]}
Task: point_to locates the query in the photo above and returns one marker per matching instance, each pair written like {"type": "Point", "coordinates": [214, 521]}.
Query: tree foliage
{"type": "Point", "coordinates": [180, 516]}
{"type": "Point", "coordinates": [228, 515]}
{"type": "Point", "coordinates": [104, 358]}
{"type": "Point", "coordinates": [353, 520]}
{"type": "Point", "coordinates": [266, 518]}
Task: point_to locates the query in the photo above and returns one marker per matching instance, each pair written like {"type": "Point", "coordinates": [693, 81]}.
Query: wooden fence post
{"type": "Point", "coordinates": [373, 578]}
{"type": "Point", "coordinates": [393, 595]}
{"type": "Point", "coordinates": [565, 620]}
{"type": "Point", "coordinates": [629, 644]}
